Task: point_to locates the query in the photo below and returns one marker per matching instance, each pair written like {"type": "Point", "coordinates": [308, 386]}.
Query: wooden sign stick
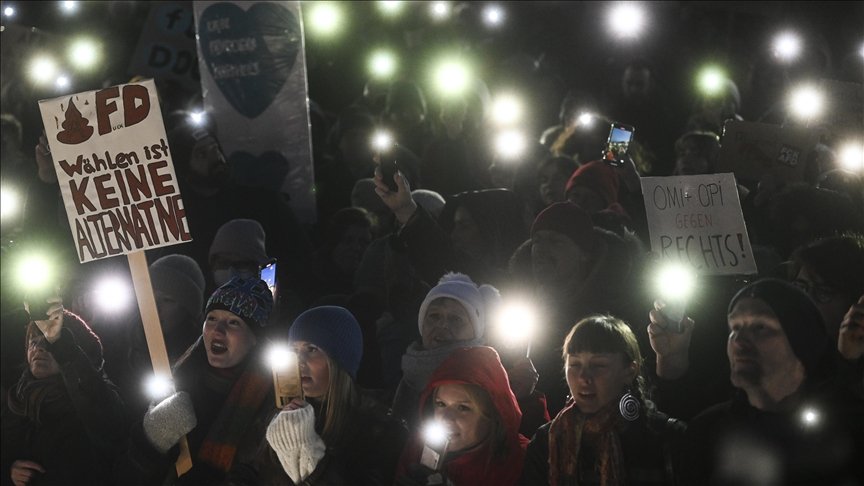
{"type": "Point", "coordinates": [155, 340]}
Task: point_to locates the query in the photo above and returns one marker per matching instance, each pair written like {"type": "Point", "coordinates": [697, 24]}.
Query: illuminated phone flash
{"type": "Point", "coordinates": [112, 294]}
{"type": "Point", "coordinates": [325, 18]}
{"type": "Point", "coordinates": [675, 282]}
{"type": "Point", "coordinates": [83, 53]}
{"type": "Point", "coordinates": [440, 10]}
{"type": "Point", "coordinates": [196, 117]}
{"type": "Point", "coordinates": [493, 15]}
{"type": "Point", "coordinates": [787, 46]}
{"type": "Point", "coordinates": [34, 272]}
{"type": "Point", "coordinates": [806, 102]}
{"type": "Point", "coordinates": [516, 323]}
{"type": "Point", "coordinates": [810, 416]}
{"type": "Point", "coordinates": [510, 144]}
{"type": "Point", "coordinates": [851, 156]}
{"type": "Point", "coordinates": [506, 110]}
{"type": "Point", "coordinates": [9, 12]}
{"type": "Point", "coordinates": [159, 387]}
{"type": "Point", "coordinates": [626, 20]}
{"type": "Point", "coordinates": [382, 141]}
{"type": "Point", "coordinates": [382, 64]}
{"type": "Point", "coordinates": [585, 119]}
{"type": "Point", "coordinates": [435, 433]}
{"type": "Point", "coordinates": [43, 69]}
{"type": "Point", "coordinates": [452, 77]}
{"type": "Point", "coordinates": [280, 357]}
{"type": "Point", "coordinates": [9, 202]}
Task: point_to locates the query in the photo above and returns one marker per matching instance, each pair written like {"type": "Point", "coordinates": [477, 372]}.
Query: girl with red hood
{"type": "Point", "coordinates": [470, 394]}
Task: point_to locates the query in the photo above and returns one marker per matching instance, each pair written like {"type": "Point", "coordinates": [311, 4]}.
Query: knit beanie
{"type": "Point", "coordinates": [249, 299]}
{"type": "Point", "coordinates": [600, 177]}
{"type": "Point", "coordinates": [799, 317]}
{"type": "Point", "coordinates": [479, 302]}
{"type": "Point", "coordinates": [180, 277]}
{"type": "Point", "coordinates": [333, 329]}
{"type": "Point", "coordinates": [242, 238]}
{"type": "Point", "coordinates": [568, 219]}
{"type": "Point", "coordinates": [431, 201]}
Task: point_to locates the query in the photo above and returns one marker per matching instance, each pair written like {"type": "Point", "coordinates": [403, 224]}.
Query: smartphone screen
{"type": "Point", "coordinates": [268, 275]}
{"type": "Point", "coordinates": [618, 144]}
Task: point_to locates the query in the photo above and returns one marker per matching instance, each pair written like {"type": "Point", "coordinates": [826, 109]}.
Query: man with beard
{"type": "Point", "coordinates": [788, 423]}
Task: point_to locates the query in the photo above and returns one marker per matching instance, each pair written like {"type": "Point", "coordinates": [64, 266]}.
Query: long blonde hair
{"type": "Point", "coordinates": [338, 404]}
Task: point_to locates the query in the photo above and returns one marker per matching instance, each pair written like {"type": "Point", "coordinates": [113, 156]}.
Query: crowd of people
{"type": "Point", "coordinates": [392, 303]}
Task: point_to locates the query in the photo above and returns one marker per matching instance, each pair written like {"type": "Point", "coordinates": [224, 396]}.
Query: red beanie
{"type": "Point", "coordinates": [599, 176]}
{"type": "Point", "coordinates": [568, 219]}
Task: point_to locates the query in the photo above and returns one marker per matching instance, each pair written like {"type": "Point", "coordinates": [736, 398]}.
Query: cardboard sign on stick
{"type": "Point", "coordinates": [697, 220]}
{"type": "Point", "coordinates": [752, 150]}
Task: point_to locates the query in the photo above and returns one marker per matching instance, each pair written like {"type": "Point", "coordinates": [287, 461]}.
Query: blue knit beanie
{"type": "Point", "coordinates": [334, 330]}
{"type": "Point", "coordinates": [250, 299]}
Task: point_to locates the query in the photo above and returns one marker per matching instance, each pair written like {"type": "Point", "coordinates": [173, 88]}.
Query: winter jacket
{"type": "Point", "coordinates": [79, 424]}
{"type": "Point", "coordinates": [488, 464]}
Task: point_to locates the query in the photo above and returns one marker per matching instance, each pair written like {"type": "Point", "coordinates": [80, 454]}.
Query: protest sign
{"type": "Point", "coordinates": [117, 178]}
{"type": "Point", "coordinates": [166, 48]}
{"type": "Point", "coordinates": [752, 150]}
{"type": "Point", "coordinates": [697, 220]}
{"type": "Point", "coordinates": [115, 170]}
{"type": "Point", "coordinates": [253, 77]}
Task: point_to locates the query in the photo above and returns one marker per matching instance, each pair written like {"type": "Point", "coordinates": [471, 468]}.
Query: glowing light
{"type": "Point", "coordinates": [506, 110]}
{"type": "Point", "coordinates": [9, 12]}
{"type": "Point", "coordinates": [510, 144]}
{"type": "Point", "coordinates": [392, 7]}
{"type": "Point", "coordinates": [69, 6]}
{"type": "Point", "coordinates": [806, 102]}
{"type": "Point", "coordinates": [159, 387]}
{"type": "Point", "coordinates": [112, 294]}
{"type": "Point", "coordinates": [787, 46]}
{"type": "Point", "coordinates": [493, 15]}
{"type": "Point", "coordinates": [452, 77]}
{"type": "Point", "coordinates": [712, 80]}
{"type": "Point", "coordinates": [197, 117]}
{"type": "Point", "coordinates": [851, 156]}
{"type": "Point", "coordinates": [325, 19]}
{"type": "Point", "coordinates": [435, 433]}
{"type": "Point", "coordinates": [626, 20]}
{"type": "Point", "coordinates": [62, 82]}
{"type": "Point", "coordinates": [516, 323]}
{"type": "Point", "coordinates": [810, 416]}
{"type": "Point", "coordinates": [83, 53]}
{"type": "Point", "coordinates": [34, 272]}
{"type": "Point", "coordinates": [280, 356]}
{"type": "Point", "coordinates": [440, 10]}
{"type": "Point", "coordinates": [861, 51]}
{"type": "Point", "coordinates": [382, 64]}
{"type": "Point", "coordinates": [382, 140]}
{"type": "Point", "coordinates": [9, 202]}
{"type": "Point", "coordinates": [43, 70]}
{"type": "Point", "coordinates": [585, 119]}
{"type": "Point", "coordinates": [675, 282]}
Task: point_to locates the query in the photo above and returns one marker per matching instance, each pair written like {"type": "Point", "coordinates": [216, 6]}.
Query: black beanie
{"type": "Point", "coordinates": [799, 317]}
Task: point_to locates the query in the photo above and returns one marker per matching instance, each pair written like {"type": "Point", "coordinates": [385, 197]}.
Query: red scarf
{"type": "Point", "coordinates": [570, 429]}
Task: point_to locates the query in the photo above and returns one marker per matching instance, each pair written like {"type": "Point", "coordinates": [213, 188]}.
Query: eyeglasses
{"type": "Point", "coordinates": [819, 293]}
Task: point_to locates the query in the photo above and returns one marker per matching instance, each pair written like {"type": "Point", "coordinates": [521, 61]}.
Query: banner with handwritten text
{"type": "Point", "coordinates": [697, 220]}
{"type": "Point", "coordinates": [115, 170]}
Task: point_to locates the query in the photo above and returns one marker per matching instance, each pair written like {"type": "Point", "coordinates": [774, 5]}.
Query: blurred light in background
{"type": "Point", "coordinates": [493, 15]}
{"type": "Point", "coordinates": [626, 20]}
{"type": "Point", "coordinates": [806, 102]}
{"type": "Point", "coordinates": [810, 417]}
{"type": "Point", "coordinates": [34, 272]}
{"type": "Point", "coordinates": [10, 202]}
{"type": "Point", "coordinates": [711, 80]}
{"type": "Point", "coordinates": [83, 54]}
{"type": "Point", "coordinates": [851, 156]}
{"type": "Point", "coordinates": [391, 7]}
{"type": "Point", "coordinates": [585, 119]}
{"type": "Point", "coordinates": [510, 144]}
{"type": "Point", "coordinates": [787, 46]}
{"type": "Point", "coordinates": [62, 82]}
{"type": "Point", "coordinates": [9, 12]}
{"type": "Point", "coordinates": [69, 7]}
{"type": "Point", "coordinates": [440, 10]}
{"type": "Point", "coordinates": [452, 77]}
{"type": "Point", "coordinates": [382, 64]}
{"type": "Point", "coordinates": [325, 18]}
{"type": "Point", "coordinates": [112, 294]}
{"type": "Point", "coordinates": [382, 140]}
{"type": "Point", "coordinates": [43, 69]}
{"type": "Point", "coordinates": [197, 117]}
{"type": "Point", "coordinates": [506, 109]}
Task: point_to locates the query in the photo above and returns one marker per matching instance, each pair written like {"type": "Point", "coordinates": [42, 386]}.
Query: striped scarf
{"type": "Point", "coordinates": [570, 429]}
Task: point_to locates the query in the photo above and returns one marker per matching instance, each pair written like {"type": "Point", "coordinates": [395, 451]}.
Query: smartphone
{"type": "Point", "coordinates": [432, 456]}
{"type": "Point", "coordinates": [287, 384]}
{"type": "Point", "coordinates": [389, 168]}
{"type": "Point", "coordinates": [268, 275]}
{"type": "Point", "coordinates": [38, 305]}
{"type": "Point", "coordinates": [618, 144]}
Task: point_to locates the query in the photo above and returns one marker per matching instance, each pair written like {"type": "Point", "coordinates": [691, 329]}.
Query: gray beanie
{"type": "Point", "coordinates": [241, 238]}
{"type": "Point", "coordinates": [180, 277]}
{"type": "Point", "coordinates": [430, 200]}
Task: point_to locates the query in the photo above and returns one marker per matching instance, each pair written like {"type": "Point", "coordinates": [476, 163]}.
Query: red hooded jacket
{"type": "Point", "coordinates": [479, 366]}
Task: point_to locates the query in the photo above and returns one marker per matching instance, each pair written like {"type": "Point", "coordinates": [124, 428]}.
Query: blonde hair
{"type": "Point", "coordinates": [338, 404]}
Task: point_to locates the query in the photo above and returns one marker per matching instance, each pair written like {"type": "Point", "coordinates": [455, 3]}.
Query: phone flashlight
{"type": "Point", "coordinates": [436, 438]}
{"type": "Point", "coordinates": [287, 383]}
{"type": "Point", "coordinates": [675, 284]}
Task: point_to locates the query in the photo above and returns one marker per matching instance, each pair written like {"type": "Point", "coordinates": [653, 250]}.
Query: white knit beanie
{"type": "Point", "coordinates": [479, 302]}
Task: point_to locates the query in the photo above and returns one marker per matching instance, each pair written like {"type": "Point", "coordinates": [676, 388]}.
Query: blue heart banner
{"type": "Point", "coordinates": [253, 78]}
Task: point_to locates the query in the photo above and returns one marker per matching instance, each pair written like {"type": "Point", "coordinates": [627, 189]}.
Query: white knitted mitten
{"type": "Point", "coordinates": [292, 435]}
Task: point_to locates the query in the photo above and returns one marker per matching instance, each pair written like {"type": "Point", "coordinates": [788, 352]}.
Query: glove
{"type": "Point", "coordinates": [292, 435]}
{"type": "Point", "coordinates": [170, 420]}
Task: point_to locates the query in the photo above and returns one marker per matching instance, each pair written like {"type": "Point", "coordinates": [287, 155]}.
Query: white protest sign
{"type": "Point", "coordinates": [697, 220]}
{"type": "Point", "coordinates": [115, 170]}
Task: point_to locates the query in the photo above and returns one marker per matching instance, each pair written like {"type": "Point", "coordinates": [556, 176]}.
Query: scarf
{"type": "Point", "coordinates": [418, 364]}
{"type": "Point", "coordinates": [567, 433]}
{"type": "Point", "coordinates": [39, 399]}
{"type": "Point", "coordinates": [239, 410]}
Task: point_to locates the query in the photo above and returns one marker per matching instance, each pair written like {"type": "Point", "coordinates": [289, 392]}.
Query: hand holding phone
{"type": "Point", "coordinates": [287, 383]}
{"type": "Point", "coordinates": [618, 144]}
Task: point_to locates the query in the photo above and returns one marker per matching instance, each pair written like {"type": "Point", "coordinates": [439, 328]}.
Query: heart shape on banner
{"type": "Point", "coordinates": [267, 170]}
{"type": "Point", "coordinates": [251, 53]}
